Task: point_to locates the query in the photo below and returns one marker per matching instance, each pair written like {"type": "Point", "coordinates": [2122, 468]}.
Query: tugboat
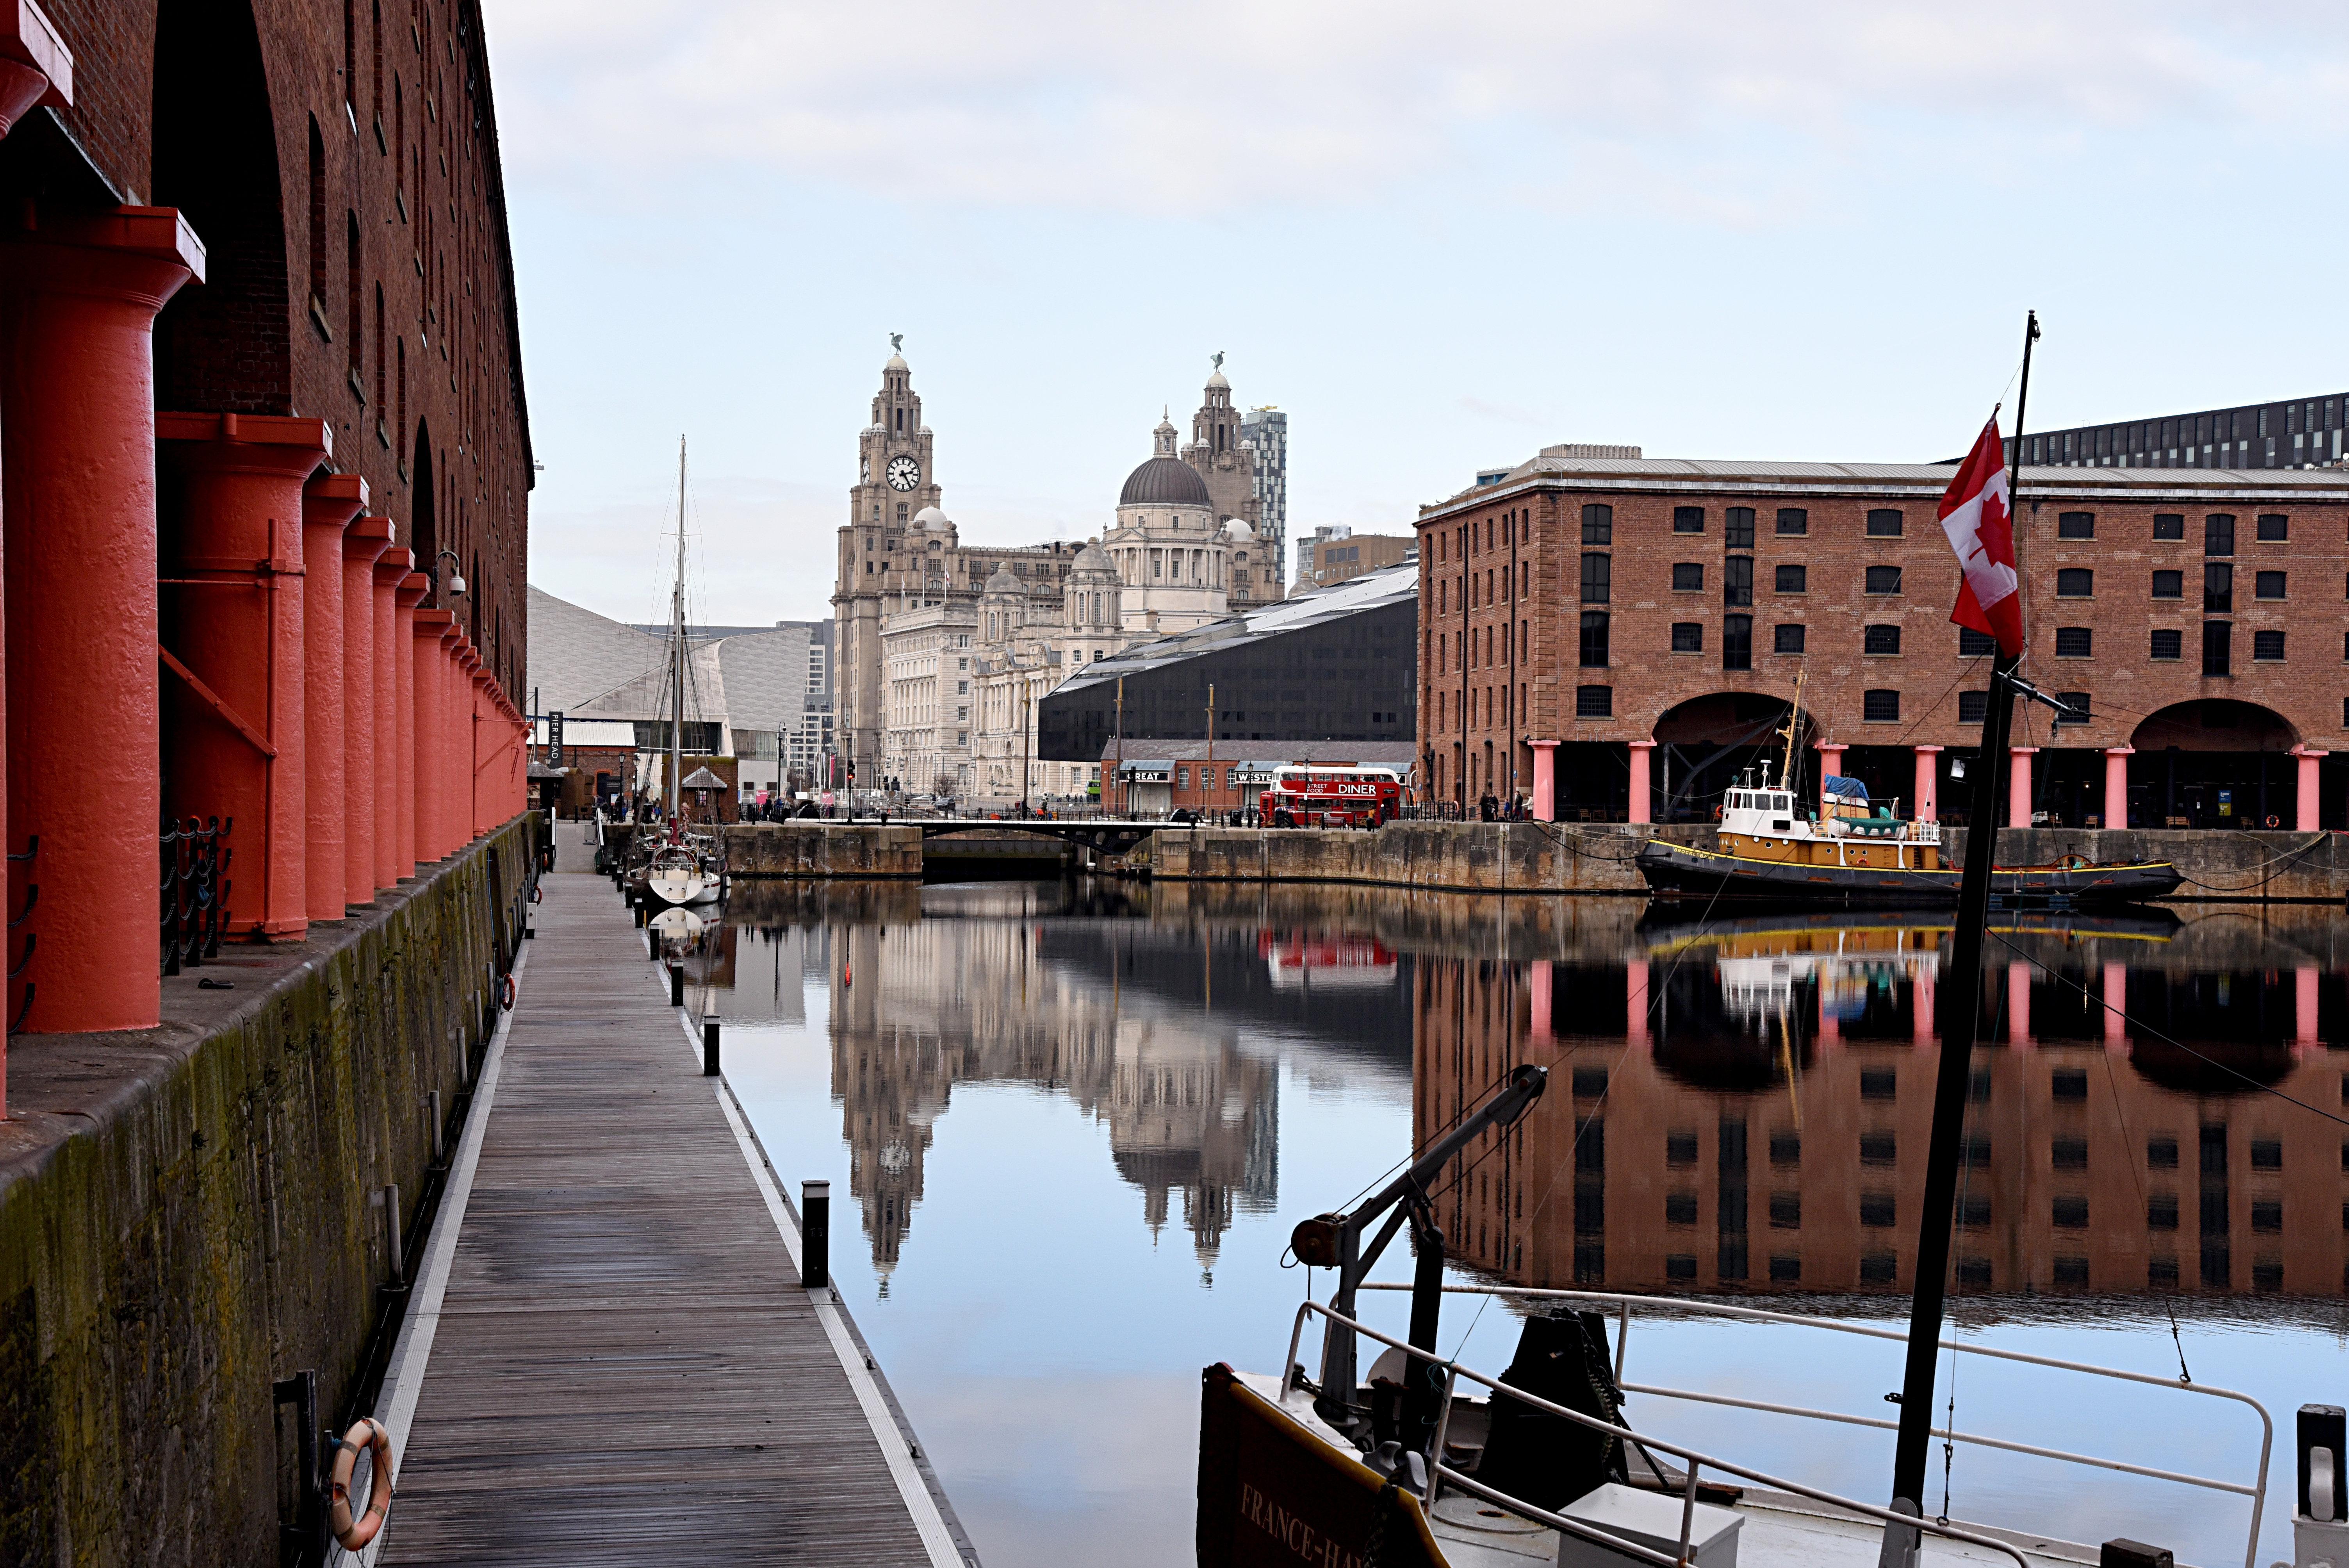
{"type": "Point", "coordinates": [1857, 853]}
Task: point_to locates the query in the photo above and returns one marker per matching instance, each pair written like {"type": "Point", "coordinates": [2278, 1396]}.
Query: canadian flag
{"type": "Point", "coordinates": [1981, 526]}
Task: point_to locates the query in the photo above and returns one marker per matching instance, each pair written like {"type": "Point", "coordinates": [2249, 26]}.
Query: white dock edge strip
{"type": "Point", "coordinates": [936, 1539]}
{"type": "Point", "coordinates": [403, 1376]}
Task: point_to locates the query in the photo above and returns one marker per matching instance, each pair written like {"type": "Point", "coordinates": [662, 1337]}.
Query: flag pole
{"type": "Point", "coordinates": [1955, 1077]}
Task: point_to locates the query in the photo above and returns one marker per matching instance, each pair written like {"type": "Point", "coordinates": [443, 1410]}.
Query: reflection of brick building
{"type": "Point", "coordinates": [1754, 1114]}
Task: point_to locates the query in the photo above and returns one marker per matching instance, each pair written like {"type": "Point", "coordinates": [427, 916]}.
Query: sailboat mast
{"type": "Point", "coordinates": [1954, 1080]}
{"type": "Point", "coordinates": [677, 645]}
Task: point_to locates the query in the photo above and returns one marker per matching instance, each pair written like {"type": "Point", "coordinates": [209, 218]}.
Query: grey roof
{"type": "Point", "coordinates": [1672, 475]}
{"type": "Point", "coordinates": [1370, 591]}
{"type": "Point", "coordinates": [1163, 481]}
{"type": "Point", "coordinates": [587, 666]}
{"type": "Point", "coordinates": [1396, 754]}
{"type": "Point", "coordinates": [577, 655]}
{"type": "Point", "coordinates": [701, 779]}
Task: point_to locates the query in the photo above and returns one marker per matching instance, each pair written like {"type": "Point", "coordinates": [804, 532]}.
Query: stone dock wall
{"type": "Point", "coordinates": [819, 848]}
{"type": "Point", "coordinates": [189, 1213]}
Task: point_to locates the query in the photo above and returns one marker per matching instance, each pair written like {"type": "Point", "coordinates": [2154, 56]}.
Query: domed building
{"type": "Point", "coordinates": [1168, 545]}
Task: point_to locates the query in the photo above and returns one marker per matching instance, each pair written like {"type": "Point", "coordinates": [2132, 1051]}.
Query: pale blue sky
{"type": "Point", "coordinates": [1439, 241]}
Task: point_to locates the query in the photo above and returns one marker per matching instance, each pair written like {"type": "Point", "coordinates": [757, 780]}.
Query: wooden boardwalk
{"type": "Point", "coordinates": [623, 1366]}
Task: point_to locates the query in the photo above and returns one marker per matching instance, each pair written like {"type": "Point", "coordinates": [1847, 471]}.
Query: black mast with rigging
{"type": "Point", "coordinates": [1955, 1077]}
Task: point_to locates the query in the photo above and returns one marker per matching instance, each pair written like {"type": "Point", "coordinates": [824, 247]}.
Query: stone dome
{"type": "Point", "coordinates": [932, 519]}
{"type": "Point", "coordinates": [1093, 560]}
{"type": "Point", "coordinates": [1238, 531]}
{"type": "Point", "coordinates": [1003, 581]}
{"type": "Point", "coordinates": [896, 361]}
{"type": "Point", "coordinates": [1216, 379]}
{"type": "Point", "coordinates": [1164, 482]}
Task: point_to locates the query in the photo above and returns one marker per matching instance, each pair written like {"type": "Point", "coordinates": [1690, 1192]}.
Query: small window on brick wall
{"type": "Point", "coordinates": [2075, 641]}
{"type": "Point", "coordinates": [1973, 707]}
{"type": "Point", "coordinates": [1792, 579]}
{"type": "Point", "coordinates": [1688, 520]}
{"type": "Point", "coordinates": [1688, 577]}
{"type": "Point", "coordinates": [2075, 583]}
{"type": "Point", "coordinates": [1884, 579]}
{"type": "Point", "coordinates": [2169, 584]}
{"type": "Point", "coordinates": [2267, 585]}
{"type": "Point", "coordinates": [2169, 644]}
{"type": "Point", "coordinates": [1885, 522]}
{"type": "Point", "coordinates": [1974, 644]}
{"type": "Point", "coordinates": [1688, 637]}
{"type": "Point", "coordinates": [1788, 639]}
{"type": "Point", "coordinates": [2076, 525]}
{"type": "Point", "coordinates": [1598, 524]}
{"type": "Point", "coordinates": [1737, 528]}
{"type": "Point", "coordinates": [2274, 527]}
{"type": "Point", "coordinates": [1793, 520]}
{"type": "Point", "coordinates": [2267, 647]}
{"type": "Point", "coordinates": [2169, 525]}
{"type": "Point", "coordinates": [1880, 707]}
{"type": "Point", "coordinates": [1593, 702]}
{"type": "Point", "coordinates": [1881, 639]}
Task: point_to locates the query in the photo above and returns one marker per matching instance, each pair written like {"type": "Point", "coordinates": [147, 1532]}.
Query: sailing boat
{"type": "Point", "coordinates": [1429, 1463]}
{"type": "Point", "coordinates": [684, 867]}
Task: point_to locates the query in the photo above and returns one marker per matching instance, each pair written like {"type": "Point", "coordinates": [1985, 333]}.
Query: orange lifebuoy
{"type": "Point", "coordinates": [368, 1434]}
{"type": "Point", "coordinates": [506, 994]}
{"type": "Point", "coordinates": [2274, 820]}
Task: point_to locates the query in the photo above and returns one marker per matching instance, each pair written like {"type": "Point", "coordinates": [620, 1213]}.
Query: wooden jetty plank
{"type": "Point", "coordinates": [624, 1368]}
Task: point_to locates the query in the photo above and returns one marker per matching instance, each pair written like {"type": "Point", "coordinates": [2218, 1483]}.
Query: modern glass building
{"type": "Point", "coordinates": [1267, 430]}
{"type": "Point", "coordinates": [1338, 665]}
{"type": "Point", "coordinates": [2302, 433]}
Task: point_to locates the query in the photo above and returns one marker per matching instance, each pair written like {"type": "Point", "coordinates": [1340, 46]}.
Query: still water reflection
{"type": "Point", "coordinates": [1074, 1123]}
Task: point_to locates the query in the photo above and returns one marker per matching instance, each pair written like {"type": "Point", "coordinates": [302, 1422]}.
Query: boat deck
{"type": "Point", "coordinates": [611, 1359]}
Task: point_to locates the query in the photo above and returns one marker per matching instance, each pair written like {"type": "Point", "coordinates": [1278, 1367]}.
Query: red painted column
{"type": "Point", "coordinates": [330, 502]}
{"type": "Point", "coordinates": [408, 592]}
{"type": "Point", "coordinates": [1921, 993]}
{"type": "Point", "coordinates": [2305, 813]}
{"type": "Point", "coordinates": [1830, 766]}
{"type": "Point", "coordinates": [1537, 993]}
{"type": "Point", "coordinates": [78, 304]}
{"type": "Point", "coordinates": [2116, 1009]}
{"type": "Point", "coordinates": [2115, 802]}
{"type": "Point", "coordinates": [1641, 785]}
{"type": "Point", "coordinates": [2018, 1003]}
{"type": "Point", "coordinates": [456, 737]}
{"type": "Point", "coordinates": [1927, 806]}
{"type": "Point", "coordinates": [1636, 981]}
{"type": "Point", "coordinates": [1544, 780]}
{"type": "Point", "coordinates": [362, 713]}
{"type": "Point", "coordinates": [431, 691]}
{"type": "Point", "coordinates": [231, 535]}
{"type": "Point", "coordinates": [487, 732]}
{"type": "Point", "coordinates": [2018, 786]}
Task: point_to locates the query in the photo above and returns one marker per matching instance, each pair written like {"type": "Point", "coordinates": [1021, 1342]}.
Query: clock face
{"type": "Point", "coordinates": [905, 473]}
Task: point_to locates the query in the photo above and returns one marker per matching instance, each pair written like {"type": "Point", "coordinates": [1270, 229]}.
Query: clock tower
{"type": "Point", "coordinates": [895, 481]}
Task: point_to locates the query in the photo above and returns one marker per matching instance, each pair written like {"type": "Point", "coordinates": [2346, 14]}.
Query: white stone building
{"type": "Point", "coordinates": [926, 657]}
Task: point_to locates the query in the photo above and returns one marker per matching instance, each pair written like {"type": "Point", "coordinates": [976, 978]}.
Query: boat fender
{"type": "Point", "coordinates": [506, 994]}
{"type": "Point", "coordinates": [367, 1433]}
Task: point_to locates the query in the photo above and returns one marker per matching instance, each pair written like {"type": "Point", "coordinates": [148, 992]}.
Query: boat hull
{"type": "Point", "coordinates": [1272, 1494]}
{"type": "Point", "coordinates": [1677, 871]}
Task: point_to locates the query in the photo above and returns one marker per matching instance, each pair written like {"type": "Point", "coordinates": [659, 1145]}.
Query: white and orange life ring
{"type": "Point", "coordinates": [367, 1433]}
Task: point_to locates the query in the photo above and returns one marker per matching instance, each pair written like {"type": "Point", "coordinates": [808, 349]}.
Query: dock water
{"type": "Point", "coordinates": [613, 1361]}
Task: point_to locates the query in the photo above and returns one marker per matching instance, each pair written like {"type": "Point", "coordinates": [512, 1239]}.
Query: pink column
{"type": "Point", "coordinates": [2305, 816]}
{"type": "Point", "coordinates": [2303, 1008]}
{"type": "Point", "coordinates": [456, 725]}
{"type": "Point", "coordinates": [1544, 780]}
{"type": "Point", "coordinates": [362, 713]}
{"type": "Point", "coordinates": [432, 689]}
{"type": "Point", "coordinates": [235, 739]}
{"type": "Point", "coordinates": [2116, 803]}
{"type": "Point", "coordinates": [2018, 1004]}
{"type": "Point", "coordinates": [1928, 802]}
{"type": "Point", "coordinates": [1537, 1003]}
{"type": "Point", "coordinates": [1640, 812]}
{"type": "Point", "coordinates": [330, 502]}
{"type": "Point", "coordinates": [1921, 1009]}
{"type": "Point", "coordinates": [2116, 1005]}
{"type": "Point", "coordinates": [408, 592]}
{"type": "Point", "coordinates": [1635, 1002]}
{"type": "Point", "coordinates": [78, 305]}
{"type": "Point", "coordinates": [2018, 786]}
{"type": "Point", "coordinates": [1830, 766]}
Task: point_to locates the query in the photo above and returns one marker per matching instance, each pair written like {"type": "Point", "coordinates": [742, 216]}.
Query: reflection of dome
{"type": "Point", "coordinates": [1164, 482]}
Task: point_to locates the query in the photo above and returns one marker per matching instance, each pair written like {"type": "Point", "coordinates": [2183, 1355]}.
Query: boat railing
{"type": "Point", "coordinates": [1624, 1305]}
{"type": "Point", "coordinates": [1441, 1474]}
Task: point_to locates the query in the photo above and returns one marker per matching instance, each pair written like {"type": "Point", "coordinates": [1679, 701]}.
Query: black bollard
{"type": "Point", "coordinates": [676, 984]}
{"type": "Point", "coordinates": [641, 921]}
{"type": "Point", "coordinates": [709, 1048]}
{"type": "Point", "coordinates": [815, 1234]}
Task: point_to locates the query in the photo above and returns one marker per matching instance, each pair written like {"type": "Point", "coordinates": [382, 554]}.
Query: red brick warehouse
{"type": "Point", "coordinates": [1616, 637]}
{"type": "Point", "coordinates": [261, 406]}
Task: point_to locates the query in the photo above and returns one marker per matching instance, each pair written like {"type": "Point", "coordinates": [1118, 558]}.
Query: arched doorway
{"type": "Point", "coordinates": [222, 346]}
{"type": "Point", "coordinates": [1704, 743]}
{"type": "Point", "coordinates": [2213, 763]}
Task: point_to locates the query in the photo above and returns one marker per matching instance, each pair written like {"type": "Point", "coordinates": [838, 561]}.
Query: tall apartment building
{"type": "Point", "coordinates": [2305, 433]}
{"type": "Point", "coordinates": [1266, 430]}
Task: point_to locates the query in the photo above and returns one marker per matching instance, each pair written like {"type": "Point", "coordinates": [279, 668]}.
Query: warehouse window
{"type": "Point", "coordinates": [1598, 579]}
{"type": "Point", "coordinates": [1688, 520]}
{"type": "Point", "coordinates": [1974, 644]}
{"type": "Point", "coordinates": [1880, 707]}
{"type": "Point", "coordinates": [2169, 645]}
{"type": "Point", "coordinates": [2219, 534]}
{"type": "Point", "coordinates": [2075, 583]}
{"type": "Point", "coordinates": [2076, 525]}
{"type": "Point", "coordinates": [1973, 707]}
{"type": "Point", "coordinates": [2169, 584]}
{"type": "Point", "coordinates": [1792, 579]}
{"type": "Point", "coordinates": [1793, 521]}
{"type": "Point", "coordinates": [2077, 701]}
{"type": "Point", "coordinates": [2169, 525]}
{"type": "Point", "coordinates": [2218, 589]}
{"type": "Point", "coordinates": [2274, 527]}
{"type": "Point", "coordinates": [2267, 647]}
{"type": "Point", "coordinates": [1688, 577]}
{"type": "Point", "coordinates": [2217, 649]}
{"type": "Point", "coordinates": [1688, 637]}
{"type": "Point", "coordinates": [1594, 639]}
{"type": "Point", "coordinates": [1737, 528]}
{"type": "Point", "coordinates": [1598, 524]}
{"type": "Point", "coordinates": [1737, 642]}
{"type": "Point", "coordinates": [1885, 522]}
{"type": "Point", "coordinates": [1880, 640]}
{"type": "Point", "coordinates": [2267, 585]}
{"type": "Point", "coordinates": [1884, 579]}
{"type": "Point", "coordinates": [1737, 579]}
{"type": "Point", "coordinates": [2075, 641]}
{"type": "Point", "coordinates": [1788, 638]}
{"type": "Point", "coordinates": [1593, 702]}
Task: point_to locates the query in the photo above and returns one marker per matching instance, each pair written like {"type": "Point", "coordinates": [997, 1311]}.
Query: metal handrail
{"type": "Point", "coordinates": [1440, 1472]}
{"type": "Point", "coordinates": [2257, 1492]}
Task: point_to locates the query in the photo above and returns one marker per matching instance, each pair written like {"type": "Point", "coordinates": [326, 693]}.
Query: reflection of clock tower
{"type": "Point", "coordinates": [894, 483]}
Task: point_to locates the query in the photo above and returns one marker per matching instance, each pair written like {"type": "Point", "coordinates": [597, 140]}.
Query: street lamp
{"type": "Point", "coordinates": [456, 584]}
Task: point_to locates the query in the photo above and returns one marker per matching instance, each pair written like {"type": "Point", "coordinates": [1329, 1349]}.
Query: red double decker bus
{"type": "Point", "coordinates": [1330, 795]}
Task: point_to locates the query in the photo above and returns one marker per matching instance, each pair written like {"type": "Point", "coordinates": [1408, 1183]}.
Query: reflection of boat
{"type": "Point", "coordinates": [1328, 962]}
{"type": "Point", "coordinates": [1774, 848]}
{"type": "Point", "coordinates": [1667, 928]}
{"type": "Point", "coordinates": [681, 924]}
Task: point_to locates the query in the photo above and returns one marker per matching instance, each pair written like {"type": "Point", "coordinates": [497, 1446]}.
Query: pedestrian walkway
{"type": "Point", "coordinates": [616, 1363]}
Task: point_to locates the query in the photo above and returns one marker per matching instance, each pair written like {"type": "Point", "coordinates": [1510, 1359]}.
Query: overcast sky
{"type": "Point", "coordinates": [1438, 238]}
